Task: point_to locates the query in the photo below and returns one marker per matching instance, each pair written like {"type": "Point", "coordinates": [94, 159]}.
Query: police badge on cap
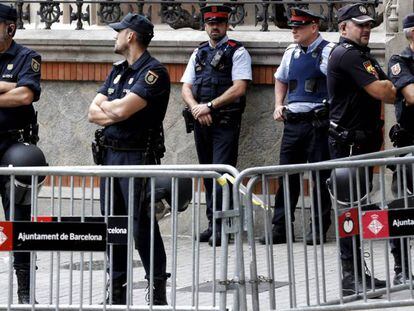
{"type": "Point", "coordinates": [358, 13]}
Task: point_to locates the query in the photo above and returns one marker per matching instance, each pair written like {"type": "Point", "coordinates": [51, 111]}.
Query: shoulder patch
{"type": "Point", "coordinates": [35, 65]}
{"type": "Point", "coordinates": [396, 69]}
{"type": "Point", "coordinates": [151, 77]}
{"type": "Point", "coordinates": [370, 68]}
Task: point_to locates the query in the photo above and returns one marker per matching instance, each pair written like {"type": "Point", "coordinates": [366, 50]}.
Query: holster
{"type": "Point", "coordinates": [97, 147]}
{"type": "Point", "coordinates": [188, 119]}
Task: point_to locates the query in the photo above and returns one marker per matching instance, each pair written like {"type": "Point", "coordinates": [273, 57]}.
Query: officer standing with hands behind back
{"type": "Point", "coordinates": [357, 86]}
{"type": "Point", "coordinates": [214, 88]}
{"type": "Point", "coordinates": [19, 88]}
{"type": "Point", "coordinates": [131, 106]}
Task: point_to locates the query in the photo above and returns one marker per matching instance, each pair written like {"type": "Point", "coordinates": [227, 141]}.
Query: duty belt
{"type": "Point", "coordinates": [116, 144]}
{"type": "Point", "coordinates": [318, 117]}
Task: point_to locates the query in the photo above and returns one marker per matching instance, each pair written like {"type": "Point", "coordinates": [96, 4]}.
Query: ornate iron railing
{"type": "Point", "coordinates": [179, 14]}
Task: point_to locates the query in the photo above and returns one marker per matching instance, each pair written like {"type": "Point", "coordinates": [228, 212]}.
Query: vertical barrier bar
{"type": "Point", "coordinates": [224, 242]}
{"type": "Point", "coordinates": [151, 280]}
{"type": "Point", "coordinates": [11, 218]}
{"type": "Point", "coordinates": [131, 239]}
{"type": "Point", "coordinates": [52, 209]}
{"type": "Point", "coordinates": [71, 253]}
{"type": "Point", "coordinates": [305, 251]}
{"type": "Point", "coordinates": [174, 223]}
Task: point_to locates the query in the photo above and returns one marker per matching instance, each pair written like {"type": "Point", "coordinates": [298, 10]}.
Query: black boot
{"type": "Point", "coordinates": [118, 292]}
{"type": "Point", "coordinates": [350, 287]}
{"type": "Point", "coordinates": [159, 292]}
{"type": "Point", "coordinates": [278, 236]}
{"type": "Point", "coordinates": [23, 286]}
{"type": "Point", "coordinates": [309, 237]}
{"type": "Point", "coordinates": [206, 234]}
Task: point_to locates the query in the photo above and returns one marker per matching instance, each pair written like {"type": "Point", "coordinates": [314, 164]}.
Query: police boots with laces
{"type": "Point", "coordinates": [159, 292]}
{"type": "Point", "coordinates": [350, 287]}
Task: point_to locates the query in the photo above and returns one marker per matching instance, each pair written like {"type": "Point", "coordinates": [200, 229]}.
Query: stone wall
{"type": "Point", "coordinates": [66, 133]}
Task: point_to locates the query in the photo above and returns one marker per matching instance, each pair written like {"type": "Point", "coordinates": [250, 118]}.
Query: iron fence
{"type": "Point", "coordinates": [185, 13]}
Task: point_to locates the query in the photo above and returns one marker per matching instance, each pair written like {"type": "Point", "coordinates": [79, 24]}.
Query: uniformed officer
{"type": "Point", "coordinates": [301, 79]}
{"type": "Point", "coordinates": [215, 83]}
{"type": "Point", "coordinates": [356, 86]}
{"type": "Point", "coordinates": [401, 73]}
{"type": "Point", "coordinates": [131, 106]}
{"type": "Point", "coordinates": [19, 88]}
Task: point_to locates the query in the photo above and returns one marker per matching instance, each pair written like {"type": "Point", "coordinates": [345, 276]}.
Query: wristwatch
{"type": "Point", "coordinates": [210, 105]}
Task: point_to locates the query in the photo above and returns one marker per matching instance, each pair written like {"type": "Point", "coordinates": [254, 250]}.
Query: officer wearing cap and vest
{"type": "Point", "coordinates": [19, 88]}
{"type": "Point", "coordinates": [356, 86]}
{"type": "Point", "coordinates": [301, 80]}
{"type": "Point", "coordinates": [131, 106]}
{"type": "Point", "coordinates": [214, 87]}
{"type": "Point", "coordinates": [401, 73]}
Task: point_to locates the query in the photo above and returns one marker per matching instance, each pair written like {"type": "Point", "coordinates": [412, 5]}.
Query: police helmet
{"type": "Point", "coordinates": [343, 190]}
{"type": "Point", "coordinates": [20, 155]}
{"type": "Point", "coordinates": [163, 195]}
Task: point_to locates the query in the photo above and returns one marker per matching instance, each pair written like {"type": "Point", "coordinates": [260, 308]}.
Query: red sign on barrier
{"type": "Point", "coordinates": [348, 223]}
{"type": "Point", "coordinates": [6, 236]}
{"type": "Point", "coordinates": [375, 225]}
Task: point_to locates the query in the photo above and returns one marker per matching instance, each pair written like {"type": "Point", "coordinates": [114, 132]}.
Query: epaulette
{"type": "Point", "coordinates": [234, 43]}
{"type": "Point", "coordinates": [347, 45]}
{"type": "Point", "coordinates": [331, 45]}
{"type": "Point", "coordinates": [292, 46]}
{"type": "Point", "coordinates": [203, 44]}
{"type": "Point", "coordinates": [120, 62]}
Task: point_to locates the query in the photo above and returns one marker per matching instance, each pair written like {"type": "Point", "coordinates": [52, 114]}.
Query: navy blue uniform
{"type": "Point", "coordinates": [401, 74]}
{"type": "Point", "coordinates": [350, 69]}
{"type": "Point", "coordinates": [305, 135]}
{"type": "Point", "coordinates": [219, 142]}
{"type": "Point", "coordinates": [127, 144]}
{"type": "Point", "coordinates": [22, 66]}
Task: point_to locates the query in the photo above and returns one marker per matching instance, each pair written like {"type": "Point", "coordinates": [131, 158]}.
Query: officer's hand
{"type": "Point", "coordinates": [200, 110]}
{"type": "Point", "coordinates": [278, 113]}
{"type": "Point", "coordinates": [205, 119]}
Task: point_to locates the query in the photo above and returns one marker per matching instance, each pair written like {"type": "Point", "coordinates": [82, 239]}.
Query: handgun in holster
{"type": "Point", "coordinates": [320, 117]}
{"type": "Point", "coordinates": [188, 119]}
{"type": "Point", "coordinates": [400, 137]}
{"type": "Point", "coordinates": [340, 134]}
{"type": "Point", "coordinates": [98, 147]}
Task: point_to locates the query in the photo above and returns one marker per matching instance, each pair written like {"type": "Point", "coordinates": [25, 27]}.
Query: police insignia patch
{"type": "Point", "coordinates": [370, 68]}
{"type": "Point", "coordinates": [9, 66]}
{"type": "Point", "coordinates": [151, 77]}
{"type": "Point", "coordinates": [35, 65]}
{"type": "Point", "coordinates": [130, 81]}
{"type": "Point", "coordinates": [396, 69]}
{"type": "Point", "coordinates": [362, 9]}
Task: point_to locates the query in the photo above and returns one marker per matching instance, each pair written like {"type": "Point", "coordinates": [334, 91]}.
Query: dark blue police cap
{"type": "Point", "coordinates": [299, 17]}
{"type": "Point", "coordinates": [215, 13]}
{"type": "Point", "coordinates": [7, 13]}
{"type": "Point", "coordinates": [358, 13]}
{"type": "Point", "coordinates": [408, 21]}
{"type": "Point", "coordinates": [135, 22]}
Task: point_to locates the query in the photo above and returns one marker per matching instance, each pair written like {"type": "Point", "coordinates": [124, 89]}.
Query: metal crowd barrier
{"type": "Point", "coordinates": [76, 279]}
{"type": "Point", "coordinates": [297, 276]}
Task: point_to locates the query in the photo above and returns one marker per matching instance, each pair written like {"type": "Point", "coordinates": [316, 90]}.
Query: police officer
{"type": "Point", "coordinates": [356, 86]}
{"type": "Point", "coordinates": [215, 83]}
{"type": "Point", "coordinates": [19, 88]}
{"type": "Point", "coordinates": [401, 73]}
{"type": "Point", "coordinates": [131, 106]}
{"type": "Point", "coordinates": [301, 79]}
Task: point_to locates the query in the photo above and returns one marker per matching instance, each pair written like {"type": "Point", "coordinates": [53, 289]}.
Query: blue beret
{"type": "Point", "coordinates": [136, 22]}
{"type": "Point", "coordinates": [358, 13]}
{"type": "Point", "coordinates": [7, 13]}
{"type": "Point", "coordinates": [408, 21]}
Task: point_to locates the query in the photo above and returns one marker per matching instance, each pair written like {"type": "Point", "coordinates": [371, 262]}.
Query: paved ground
{"type": "Point", "coordinates": [55, 280]}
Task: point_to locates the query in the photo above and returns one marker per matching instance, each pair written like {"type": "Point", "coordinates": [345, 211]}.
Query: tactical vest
{"type": "Point", "coordinates": [404, 114]}
{"type": "Point", "coordinates": [307, 85]}
{"type": "Point", "coordinates": [213, 74]}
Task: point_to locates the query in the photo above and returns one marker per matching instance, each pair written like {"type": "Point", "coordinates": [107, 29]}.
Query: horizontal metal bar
{"type": "Point", "coordinates": [63, 307]}
{"type": "Point", "coordinates": [280, 2]}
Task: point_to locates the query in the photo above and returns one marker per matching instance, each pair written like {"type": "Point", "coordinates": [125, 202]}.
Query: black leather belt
{"type": "Point", "coordinates": [116, 144]}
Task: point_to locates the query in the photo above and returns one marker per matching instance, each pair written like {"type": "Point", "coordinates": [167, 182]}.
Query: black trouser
{"type": "Point", "coordinates": [21, 212]}
{"type": "Point", "coordinates": [339, 150]}
{"type": "Point", "coordinates": [216, 144]}
{"type": "Point", "coordinates": [301, 143]}
{"type": "Point", "coordinates": [142, 221]}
